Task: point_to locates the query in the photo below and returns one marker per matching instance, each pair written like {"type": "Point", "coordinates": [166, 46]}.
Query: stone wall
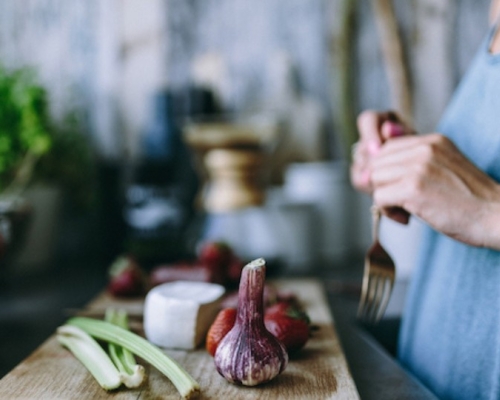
{"type": "Point", "coordinates": [107, 57]}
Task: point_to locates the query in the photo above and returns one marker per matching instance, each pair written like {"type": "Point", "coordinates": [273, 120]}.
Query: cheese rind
{"type": "Point", "coordinates": [179, 314]}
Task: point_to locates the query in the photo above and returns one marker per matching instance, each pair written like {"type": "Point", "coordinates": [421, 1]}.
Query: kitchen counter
{"type": "Point", "coordinates": [31, 308]}
{"type": "Point", "coordinates": [369, 351]}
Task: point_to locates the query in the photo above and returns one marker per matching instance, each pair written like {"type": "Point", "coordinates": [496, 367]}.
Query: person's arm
{"type": "Point", "coordinates": [494, 11]}
{"type": "Point", "coordinates": [494, 19]}
{"type": "Point", "coordinates": [429, 177]}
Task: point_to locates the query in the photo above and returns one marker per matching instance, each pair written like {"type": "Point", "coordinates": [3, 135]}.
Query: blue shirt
{"type": "Point", "coordinates": [450, 334]}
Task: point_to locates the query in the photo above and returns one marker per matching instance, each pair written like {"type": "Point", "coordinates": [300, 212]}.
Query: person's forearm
{"type": "Point", "coordinates": [488, 227]}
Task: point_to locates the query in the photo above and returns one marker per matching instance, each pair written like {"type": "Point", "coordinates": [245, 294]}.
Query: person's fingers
{"type": "Point", "coordinates": [369, 130]}
{"type": "Point", "coordinates": [361, 181]}
{"type": "Point", "coordinates": [403, 143]}
{"type": "Point", "coordinates": [392, 166]}
{"type": "Point", "coordinates": [370, 144]}
{"type": "Point", "coordinates": [388, 176]}
{"type": "Point", "coordinates": [390, 196]}
{"type": "Point", "coordinates": [384, 175]}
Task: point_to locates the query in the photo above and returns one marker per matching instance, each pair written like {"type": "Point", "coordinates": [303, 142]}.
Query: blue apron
{"type": "Point", "coordinates": [450, 334]}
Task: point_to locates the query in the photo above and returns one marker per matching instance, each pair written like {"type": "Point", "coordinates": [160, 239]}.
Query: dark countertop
{"type": "Point", "coordinates": [370, 352]}
{"type": "Point", "coordinates": [31, 307]}
{"type": "Point", "coordinates": [369, 349]}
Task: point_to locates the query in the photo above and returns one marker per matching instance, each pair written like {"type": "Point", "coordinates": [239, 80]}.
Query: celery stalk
{"type": "Point", "coordinates": [91, 355]}
{"type": "Point", "coordinates": [106, 331]}
{"type": "Point", "coordinates": [131, 374]}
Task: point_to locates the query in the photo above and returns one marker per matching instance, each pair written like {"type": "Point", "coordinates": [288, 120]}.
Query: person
{"type": "Point", "coordinates": [450, 330]}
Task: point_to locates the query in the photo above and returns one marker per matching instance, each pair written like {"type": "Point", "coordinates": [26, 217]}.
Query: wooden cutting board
{"type": "Point", "coordinates": [319, 371]}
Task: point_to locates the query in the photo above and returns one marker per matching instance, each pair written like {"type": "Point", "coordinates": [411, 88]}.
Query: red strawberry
{"type": "Point", "coordinates": [284, 320]}
{"type": "Point", "coordinates": [280, 307]}
{"type": "Point", "coordinates": [217, 257]}
{"type": "Point", "coordinates": [289, 324]}
{"type": "Point", "coordinates": [126, 278]}
{"type": "Point", "coordinates": [215, 254]}
{"type": "Point", "coordinates": [293, 333]}
{"type": "Point", "coordinates": [222, 324]}
{"type": "Point", "coordinates": [289, 306]}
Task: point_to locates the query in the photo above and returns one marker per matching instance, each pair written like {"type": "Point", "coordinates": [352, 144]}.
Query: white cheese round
{"type": "Point", "coordinates": [179, 314]}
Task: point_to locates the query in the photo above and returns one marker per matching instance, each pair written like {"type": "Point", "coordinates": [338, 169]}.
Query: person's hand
{"type": "Point", "coordinates": [375, 129]}
{"type": "Point", "coordinates": [429, 177]}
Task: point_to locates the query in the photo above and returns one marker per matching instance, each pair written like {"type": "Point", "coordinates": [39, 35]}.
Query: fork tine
{"type": "Point", "coordinates": [379, 284]}
{"type": "Point", "coordinates": [366, 305]}
{"type": "Point", "coordinates": [372, 291]}
{"type": "Point", "coordinates": [378, 277]}
{"type": "Point", "coordinates": [388, 284]}
{"type": "Point", "coordinates": [364, 290]}
{"type": "Point", "coordinates": [376, 298]}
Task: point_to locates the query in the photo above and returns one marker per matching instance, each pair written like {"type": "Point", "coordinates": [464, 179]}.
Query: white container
{"type": "Point", "coordinates": [327, 186]}
{"type": "Point", "coordinates": [294, 226]}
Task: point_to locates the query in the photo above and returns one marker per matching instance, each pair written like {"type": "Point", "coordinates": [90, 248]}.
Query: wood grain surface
{"type": "Point", "coordinates": [319, 371]}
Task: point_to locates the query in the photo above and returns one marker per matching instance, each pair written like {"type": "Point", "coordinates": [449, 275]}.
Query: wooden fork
{"type": "Point", "coordinates": [378, 277]}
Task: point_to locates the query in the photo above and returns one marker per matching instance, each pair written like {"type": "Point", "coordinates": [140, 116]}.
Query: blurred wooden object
{"type": "Point", "coordinates": [434, 63]}
{"type": "Point", "coordinates": [235, 176]}
{"type": "Point", "coordinates": [342, 47]}
{"type": "Point", "coordinates": [232, 158]}
{"type": "Point", "coordinates": [395, 63]}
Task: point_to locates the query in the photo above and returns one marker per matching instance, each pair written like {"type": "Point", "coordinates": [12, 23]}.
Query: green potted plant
{"type": "Point", "coordinates": [24, 128]}
{"type": "Point", "coordinates": [39, 160]}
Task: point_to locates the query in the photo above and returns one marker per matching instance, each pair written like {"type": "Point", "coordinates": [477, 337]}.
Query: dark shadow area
{"type": "Point", "coordinates": [35, 300]}
{"type": "Point", "coordinates": [386, 332]}
{"type": "Point", "coordinates": [32, 307]}
{"type": "Point", "coordinates": [375, 371]}
{"type": "Point", "coordinates": [369, 349]}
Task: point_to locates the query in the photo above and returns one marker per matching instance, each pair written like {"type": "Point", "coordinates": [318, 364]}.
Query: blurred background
{"type": "Point", "coordinates": [147, 127]}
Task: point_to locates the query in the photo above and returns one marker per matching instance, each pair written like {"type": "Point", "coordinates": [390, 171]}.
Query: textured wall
{"type": "Point", "coordinates": [103, 58]}
{"type": "Point", "coordinates": [106, 57]}
{"type": "Point", "coordinates": [60, 40]}
{"type": "Point", "coordinates": [248, 35]}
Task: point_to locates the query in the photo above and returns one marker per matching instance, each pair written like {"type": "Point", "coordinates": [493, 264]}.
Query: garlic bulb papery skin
{"type": "Point", "coordinates": [249, 354]}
